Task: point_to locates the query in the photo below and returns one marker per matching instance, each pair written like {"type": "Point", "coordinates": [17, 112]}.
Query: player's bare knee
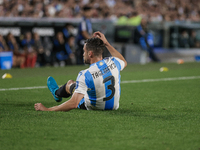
{"type": "Point", "coordinates": [70, 82]}
{"type": "Point", "coordinates": [67, 86]}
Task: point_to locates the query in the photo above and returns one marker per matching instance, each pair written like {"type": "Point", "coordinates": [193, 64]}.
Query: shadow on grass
{"type": "Point", "coordinates": [163, 115]}
{"type": "Point", "coordinates": [147, 113]}
{"type": "Point", "coordinates": [24, 105]}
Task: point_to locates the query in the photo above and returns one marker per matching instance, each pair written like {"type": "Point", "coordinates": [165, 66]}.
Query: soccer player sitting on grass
{"type": "Point", "coordinates": [96, 88]}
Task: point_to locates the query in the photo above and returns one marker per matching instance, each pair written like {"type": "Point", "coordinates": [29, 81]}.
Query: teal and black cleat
{"type": "Point", "coordinates": [52, 85]}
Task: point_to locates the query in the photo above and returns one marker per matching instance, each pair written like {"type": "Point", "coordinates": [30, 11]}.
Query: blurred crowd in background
{"type": "Point", "coordinates": [31, 50]}
{"type": "Point", "coordinates": [155, 10]}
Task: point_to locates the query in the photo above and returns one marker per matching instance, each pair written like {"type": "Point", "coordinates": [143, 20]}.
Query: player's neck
{"type": "Point", "coordinates": [95, 59]}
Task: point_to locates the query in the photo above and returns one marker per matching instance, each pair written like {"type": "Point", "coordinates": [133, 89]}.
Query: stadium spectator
{"type": "Point", "coordinates": [146, 40]}
{"type": "Point", "coordinates": [84, 32]}
{"type": "Point", "coordinates": [28, 50]}
{"type": "Point", "coordinates": [134, 19]}
{"type": "Point", "coordinates": [3, 45]}
{"type": "Point", "coordinates": [62, 52]}
{"type": "Point", "coordinates": [184, 39]}
{"type": "Point", "coordinates": [48, 48]}
{"type": "Point", "coordinates": [96, 88]}
{"type": "Point", "coordinates": [122, 20]}
{"type": "Point", "coordinates": [38, 47]}
{"type": "Point", "coordinates": [193, 39]}
{"type": "Point", "coordinates": [68, 31]}
{"type": "Point", "coordinates": [18, 59]}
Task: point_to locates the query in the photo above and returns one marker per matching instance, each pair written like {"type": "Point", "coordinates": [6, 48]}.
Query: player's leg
{"type": "Point", "coordinates": [53, 87]}
{"type": "Point", "coordinates": [63, 91]}
{"type": "Point", "coordinates": [66, 90]}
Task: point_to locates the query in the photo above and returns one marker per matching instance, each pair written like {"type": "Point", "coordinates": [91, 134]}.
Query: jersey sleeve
{"type": "Point", "coordinates": [81, 86]}
{"type": "Point", "coordinates": [119, 63]}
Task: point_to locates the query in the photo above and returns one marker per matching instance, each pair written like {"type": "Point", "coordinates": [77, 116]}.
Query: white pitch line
{"type": "Point", "coordinates": [130, 81]}
{"type": "Point", "coordinates": [162, 79]}
{"type": "Point", "coordinates": [24, 88]}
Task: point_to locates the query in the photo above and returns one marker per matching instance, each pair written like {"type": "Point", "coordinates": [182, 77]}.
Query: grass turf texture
{"type": "Point", "coordinates": [153, 115]}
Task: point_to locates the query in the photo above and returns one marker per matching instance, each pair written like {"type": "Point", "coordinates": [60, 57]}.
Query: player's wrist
{"type": "Point", "coordinates": [107, 43]}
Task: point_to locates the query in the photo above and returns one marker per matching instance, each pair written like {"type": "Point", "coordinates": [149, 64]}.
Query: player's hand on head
{"type": "Point", "coordinates": [100, 36]}
{"type": "Point", "coordinates": [97, 34]}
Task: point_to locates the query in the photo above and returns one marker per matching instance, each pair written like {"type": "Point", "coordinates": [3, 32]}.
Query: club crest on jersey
{"type": "Point", "coordinates": [101, 63]}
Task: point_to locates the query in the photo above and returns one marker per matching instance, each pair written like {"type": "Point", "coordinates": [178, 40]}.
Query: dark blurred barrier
{"type": "Point", "coordinates": [124, 34]}
{"type": "Point", "coordinates": [44, 26]}
{"type": "Point", "coordinates": [48, 26]}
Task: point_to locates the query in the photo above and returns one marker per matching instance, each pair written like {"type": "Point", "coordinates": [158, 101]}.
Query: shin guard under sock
{"type": "Point", "coordinates": [61, 92]}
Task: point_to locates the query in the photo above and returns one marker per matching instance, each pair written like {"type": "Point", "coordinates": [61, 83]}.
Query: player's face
{"type": "Point", "coordinates": [86, 57]}
{"type": "Point", "coordinates": [89, 13]}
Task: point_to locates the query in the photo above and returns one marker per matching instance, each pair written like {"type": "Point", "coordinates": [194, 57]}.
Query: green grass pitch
{"type": "Point", "coordinates": [160, 115]}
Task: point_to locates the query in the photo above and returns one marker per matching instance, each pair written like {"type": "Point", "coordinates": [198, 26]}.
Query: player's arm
{"type": "Point", "coordinates": [66, 106]}
{"type": "Point", "coordinates": [85, 35]}
{"type": "Point", "coordinates": [110, 48]}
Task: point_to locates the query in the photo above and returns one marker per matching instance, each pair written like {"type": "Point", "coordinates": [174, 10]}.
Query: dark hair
{"type": "Point", "coordinates": [96, 45]}
{"type": "Point", "coordinates": [87, 8]}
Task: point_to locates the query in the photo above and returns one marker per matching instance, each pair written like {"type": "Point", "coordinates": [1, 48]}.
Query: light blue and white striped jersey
{"type": "Point", "coordinates": [100, 84]}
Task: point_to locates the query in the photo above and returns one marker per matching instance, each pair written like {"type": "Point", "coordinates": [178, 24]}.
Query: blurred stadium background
{"type": "Point", "coordinates": [174, 24]}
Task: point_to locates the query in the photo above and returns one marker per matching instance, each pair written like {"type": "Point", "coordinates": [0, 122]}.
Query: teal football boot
{"type": "Point", "coordinates": [52, 85]}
